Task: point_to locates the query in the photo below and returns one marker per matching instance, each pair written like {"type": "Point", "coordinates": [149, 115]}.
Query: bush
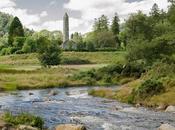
{"type": "Point", "coordinates": [149, 88]}
{"type": "Point", "coordinates": [24, 119]}
{"type": "Point", "coordinates": [133, 70]}
{"type": "Point", "coordinates": [74, 60]}
{"type": "Point", "coordinates": [48, 53]}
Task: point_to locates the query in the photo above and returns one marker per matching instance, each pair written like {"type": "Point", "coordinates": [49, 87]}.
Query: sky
{"type": "Point", "coordinates": [48, 14]}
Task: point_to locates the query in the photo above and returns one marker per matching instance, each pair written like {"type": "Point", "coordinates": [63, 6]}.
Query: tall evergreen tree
{"type": "Point", "coordinates": [15, 30]}
{"type": "Point", "coordinates": [171, 12]}
{"type": "Point", "coordinates": [101, 24]}
{"type": "Point", "coordinates": [115, 27]}
{"type": "Point", "coordinates": [155, 12]}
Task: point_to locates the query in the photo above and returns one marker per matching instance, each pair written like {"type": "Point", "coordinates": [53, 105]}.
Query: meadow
{"type": "Point", "coordinates": [24, 71]}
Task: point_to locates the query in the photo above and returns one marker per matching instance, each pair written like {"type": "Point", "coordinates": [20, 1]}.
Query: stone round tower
{"type": "Point", "coordinates": [65, 28]}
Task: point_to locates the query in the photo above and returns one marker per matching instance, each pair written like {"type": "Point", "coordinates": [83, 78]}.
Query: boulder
{"type": "Point", "coordinates": [25, 127]}
{"type": "Point", "coordinates": [30, 94]}
{"type": "Point", "coordinates": [53, 93]}
{"type": "Point", "coordinates": [138, 105]}
{"type": "Point", "coordinates": [130, 110]}
{"type": "Point", "coordinates": [70, 127]}
{"type": "Point", "coordinates": [161, 107]}
{"type": "Point", "coordinates": [166, 127]}
{"type": "Point", "coordinates": [170, 109]}
{"type": "Point", "coordinates": [4, 125]}
{"type": "Point", "coordinates": [118, 108]}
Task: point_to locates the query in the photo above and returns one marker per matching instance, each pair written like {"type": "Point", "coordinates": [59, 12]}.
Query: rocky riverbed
{"type": "Point", "coordinates": [73, 105]}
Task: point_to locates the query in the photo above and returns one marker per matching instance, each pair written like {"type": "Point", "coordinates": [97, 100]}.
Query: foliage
{"type": "Point", "coordinates": [101, 24]}
{"type": "Point", "coordinates": [115, 28]}
{"type": "Point", "coordinates": [25, 119]}
{"type": "Point", "coordinates": [112, 74]}
{"type": "Point", "coordinates": [5, 21]}
{"type": "Point", "coordinates": [15, 30]}
{"type": "Point", "coordinates": [149, 88]}
{"type": "Point", "coordinates": [152, 51]}
{"type": "Point", "coordinates": [49, 53]}
{"type": "Point", "coordinates": [74, 61]}
{"type": "Point", "coordinates": [30, 45]}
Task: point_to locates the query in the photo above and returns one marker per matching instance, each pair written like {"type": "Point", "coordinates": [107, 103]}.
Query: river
{"type": "Point", "coordinates": [74, 105]}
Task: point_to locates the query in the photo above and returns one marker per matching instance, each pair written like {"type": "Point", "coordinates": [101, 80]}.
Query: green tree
{"type": "Point", "coordinates": [155, 13]}
{"type": "Point", "coordinates": [171, 14]}
{"type": "Point", "coordinates": [30, 45]}
{"type": "Point", "coordinates": [101, 24]}
{"type": "Point", "coordinates": [172, 2]}
{"type": "Point", "coordinates": [115, 28]}
{"type": "Point", "coordinates": [138, 26]}
{"type": "Point", "coordinates": [15, 30]}
{"type": "Point", "coordinates": [49, 53]}
{"type": "Point", "coordinates": [150, 52]}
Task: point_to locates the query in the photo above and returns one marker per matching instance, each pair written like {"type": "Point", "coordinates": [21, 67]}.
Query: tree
{"type": "Point", "coordinates": [138, 26]}
{"type": "Point", "coordinates": [152, 51]}
{"type": "Point", "coordinates": [172, 2]}
{"type": "Point", "coordinates": [115, 28]}
{"type": "Point", "coordinates": [155, 13]}
{"type": "Point", "coordinates": [5, 21]}
{"type": "Point", "coordinates": [77, 38]}
{"type": "Point", "coordinates": [101, 24]}
{"type": "Point", "coordinates": [105, 39]}
{"type": "Point", "coordinates": [49, 53]}
{"type": "Point", "coordinates": [30, 45]}
{"type": "Point", "coordinates": [171, 14]}
{"type": "Point", "coordinates": [15, 30]}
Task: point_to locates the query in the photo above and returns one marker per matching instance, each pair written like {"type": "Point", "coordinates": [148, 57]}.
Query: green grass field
{"type": "Point", "coordinates": [24, 71]}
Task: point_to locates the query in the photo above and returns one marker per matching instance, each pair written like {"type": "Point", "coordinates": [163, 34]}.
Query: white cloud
{"type": "Point", "coordinates": [9, 6]}
{"type": "Point", "coordinates": [26, 18]}
{"type": "Point", "coordinates": [6, 4]}
{"type": "Point", "coordinates": [44, 14]}
{"type": "Point", "coordinates": [52, 3]}
{"type": "Point", "coordinates": [91, 9]}
{"type": "Point", "coordinates": [57, 25]}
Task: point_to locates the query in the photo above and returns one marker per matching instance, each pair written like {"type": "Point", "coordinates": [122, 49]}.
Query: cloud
{"type": "Point", "coordinates": [44, 14]}
{"type": "Point", "coordinates": [91, 9]}
{"type": "Point", "coordinates": [52, 3]}
{"type": "Point", "coordinates": [58, 25]}
{"type": "Point", "coordinates": [9, 6]}
{"type": "Point", "coordinates": [6, 4]}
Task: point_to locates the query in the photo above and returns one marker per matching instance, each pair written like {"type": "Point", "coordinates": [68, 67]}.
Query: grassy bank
{"type": "Point", "coordinates": [156, 87]}
{"type": "Point", "coordinates": [24, 71]}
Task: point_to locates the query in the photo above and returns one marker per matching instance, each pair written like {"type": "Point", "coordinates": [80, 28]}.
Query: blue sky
{"type": "Point", "coordinates": [47, 14]}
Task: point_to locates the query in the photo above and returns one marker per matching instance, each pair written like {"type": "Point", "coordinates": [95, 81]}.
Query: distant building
{"type": "Point", "coordinates": [65, 30]}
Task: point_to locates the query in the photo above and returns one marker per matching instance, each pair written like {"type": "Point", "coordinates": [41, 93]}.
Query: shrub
{"type": "Point", "coordinates": [24, 119]}
{"type": "Point", "coordinates": [74, 60]}
{"type": "Point", "coordinates": [49, 53]}
{"type": "Point", "coordinates": [133, 70]}
{"type": "Point", "coordinates": [149, 88]}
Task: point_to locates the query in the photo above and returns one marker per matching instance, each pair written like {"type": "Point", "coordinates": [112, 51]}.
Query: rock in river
{"type": "Point", "coordinates": [25, 127]}
{"type": "Point", "coordinates": [166, 127]}
{"type": "Point", "coordinates": [170, 109]}
{"type": "Point", "coordinates": [70, 127]}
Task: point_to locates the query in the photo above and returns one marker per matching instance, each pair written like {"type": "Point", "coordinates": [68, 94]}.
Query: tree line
{"type": "Point", "coordinates": [144, 37]}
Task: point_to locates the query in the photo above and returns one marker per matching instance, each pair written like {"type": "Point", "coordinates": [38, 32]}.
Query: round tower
{"type": "Point", "coordinates": [65, 28]}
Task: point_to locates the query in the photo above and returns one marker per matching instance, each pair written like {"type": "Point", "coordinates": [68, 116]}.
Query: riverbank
{"type": "Point", "coordinates": [18, 72]}
{"type": "Point", "coordinates": [155, 88]}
